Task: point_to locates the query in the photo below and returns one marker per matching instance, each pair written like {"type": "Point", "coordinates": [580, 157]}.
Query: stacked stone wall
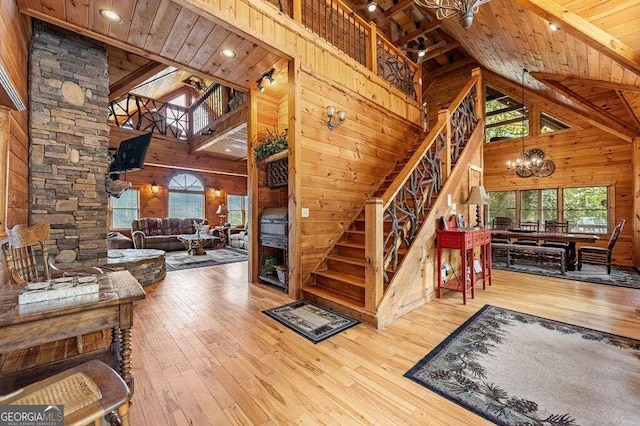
{"type": "Point", "coordinates": [69, 139]}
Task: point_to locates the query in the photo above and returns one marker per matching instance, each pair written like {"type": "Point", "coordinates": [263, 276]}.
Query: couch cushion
{"type": "Point", "coordinates": [148, 225]}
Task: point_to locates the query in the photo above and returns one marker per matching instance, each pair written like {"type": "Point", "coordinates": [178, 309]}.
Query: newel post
{"type": "Point", "coordinates": [444, 114]}
{"type": "Point", "coordinates": [479, 94]}
{"type": "Point", "coordinates": [372, 51]}
{"type": "Point", "coordinates": [296, 12]}
{"type": "Point", "coordinates": [373, 252]}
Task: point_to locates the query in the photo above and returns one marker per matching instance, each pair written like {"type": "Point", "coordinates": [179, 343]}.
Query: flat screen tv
{"type": "Point", "coordinates": [130, 154]}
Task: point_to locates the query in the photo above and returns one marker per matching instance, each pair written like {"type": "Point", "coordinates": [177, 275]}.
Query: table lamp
{"type": "Point", "coordinates": [222, 213]}
{"type": "Point", "coordinates": [477, 196]}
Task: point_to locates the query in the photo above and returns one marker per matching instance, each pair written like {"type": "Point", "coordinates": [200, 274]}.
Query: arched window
{"type": "Point", "coordinates": [186, 196]}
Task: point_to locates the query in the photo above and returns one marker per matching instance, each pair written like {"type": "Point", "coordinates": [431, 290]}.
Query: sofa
{"type": "Point", "coordinates": [160, 233]}
{"type": "Point", "coordinates": [238, 238]}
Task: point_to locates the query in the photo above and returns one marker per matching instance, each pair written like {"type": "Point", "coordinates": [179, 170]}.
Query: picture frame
{"type": "Point", "coordinates": [460, 220]}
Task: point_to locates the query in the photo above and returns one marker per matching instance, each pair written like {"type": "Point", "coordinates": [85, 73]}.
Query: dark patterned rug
{"type": "Point", "coordinates": [177, 260]}
{"type": "Point", "coordinates": [518, 369]}
{"type": "Point", "coordinates": [311, 321]}
{"type": "Point", "coordinates": [621, 276]}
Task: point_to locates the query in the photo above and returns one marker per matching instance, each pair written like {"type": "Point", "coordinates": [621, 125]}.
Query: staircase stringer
{"type": "Point", "coordinates": [417, 273]}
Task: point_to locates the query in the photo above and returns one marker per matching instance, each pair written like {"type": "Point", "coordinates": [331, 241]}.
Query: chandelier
{"type": "Point", "coordinates": [447, 8]}
{"type": "Point", "coordinates": [532, 162]}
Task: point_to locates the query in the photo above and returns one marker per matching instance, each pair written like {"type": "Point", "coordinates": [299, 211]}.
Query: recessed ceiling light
{"type": "Point", "coordinates": [372, 6]}
{"type": "Point", "coordinates": [110, 15]}
{"type": "Point", "coordinates": [227, 150]}
{"type": "Point", "coordinates": [228, 53]}
{"type": "Point", "coordinates": [553, 26]}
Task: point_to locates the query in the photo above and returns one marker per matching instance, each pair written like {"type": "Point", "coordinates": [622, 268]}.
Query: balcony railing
{"type": "Point", "coordinates": [150, 115]}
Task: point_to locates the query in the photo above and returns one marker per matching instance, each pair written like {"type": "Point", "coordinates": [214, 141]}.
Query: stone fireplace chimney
{"type": "Point", "coordinates": [69, 139]}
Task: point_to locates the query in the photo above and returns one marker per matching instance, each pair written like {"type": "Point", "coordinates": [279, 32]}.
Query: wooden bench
{"type": "Point", "coordinates": [541, 255]}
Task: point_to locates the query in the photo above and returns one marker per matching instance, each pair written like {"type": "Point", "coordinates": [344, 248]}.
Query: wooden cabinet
{"type": "Point", "coordinates": [465, 240]}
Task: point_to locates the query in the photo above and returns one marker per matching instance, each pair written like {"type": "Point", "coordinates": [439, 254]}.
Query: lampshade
{"type": "Point", "coordinates": [477, 196]}
{"type": "Point", "coordinates": [221, 210]}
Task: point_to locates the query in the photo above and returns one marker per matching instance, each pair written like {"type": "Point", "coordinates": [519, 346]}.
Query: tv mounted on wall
{"type": "Point", "coordinates": [130, 154]}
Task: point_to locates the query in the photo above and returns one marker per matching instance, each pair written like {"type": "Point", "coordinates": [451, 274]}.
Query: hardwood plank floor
{"type": "Point", "coordinates": [204, 353]}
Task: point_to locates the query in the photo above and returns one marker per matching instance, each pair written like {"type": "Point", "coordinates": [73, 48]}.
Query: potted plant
{"type": "Point", "coordinates": [269, 264]}
{"type": "Point", "coordinates": [273, 143]}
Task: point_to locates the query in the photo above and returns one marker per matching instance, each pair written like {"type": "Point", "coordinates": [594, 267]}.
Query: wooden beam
{"type": "Point", "coordinates": [629, 109]}
{"type": "Point", "coordinates": [398, 7]}
{"type": "Point", "coordinates": [585, 103]}
{"type": "Point", "coordinates": [441, 50]}
{"type": "Point", "coordinates": [586, 81]}
{"type": "Point", "coordinates": [431, 26]}
{"type": "Point", "coordinates": [130, 81]}
{"type": "Point", "coordinates": [585, 31]}
{"type": "Point", "coordinates": [503, 110]}
{"type": "Point", "coordinates": [229, 122]}
{"type": "Point", "coordinates": [451, 67]}
{"type": "Point", "coordinates": [636, 202]}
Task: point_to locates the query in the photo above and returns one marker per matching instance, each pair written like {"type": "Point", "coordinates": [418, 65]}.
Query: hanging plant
{"type": "Point", "coordinates": [273, 143]}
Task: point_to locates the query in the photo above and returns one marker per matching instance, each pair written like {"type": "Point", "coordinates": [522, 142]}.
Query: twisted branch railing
{"type": "Point", "coordinates": [394, 220]}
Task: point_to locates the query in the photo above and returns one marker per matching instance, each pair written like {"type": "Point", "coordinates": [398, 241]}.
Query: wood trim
{"type": "Point", "coordinates": [586, 81]}
{"type": "Point", "coordinates": [295, 179]}
{"type": "Point", "coordinates": [636, 202]}
{"type": "Point", "coordinates": [5, 131]}
{"type": "Point", "coordinates": [585, 31]}
{"type": "Point", "coordinates": [252, 186]}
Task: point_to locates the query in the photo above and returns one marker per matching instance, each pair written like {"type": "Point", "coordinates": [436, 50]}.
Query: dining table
{"type": "Point", "coordinates": [541, 237]}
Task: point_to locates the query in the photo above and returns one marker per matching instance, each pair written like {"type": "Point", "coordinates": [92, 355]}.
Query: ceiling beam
{"type": "Point", "coordinates": [507, 86]}
{"type": "Point", "coordinates": [606, 117]}
{"type": "Point", "coordinates": [451, 67]}
{"type": "Point", "coordinates": [586, 81]}
{"type": "Point", "coordinates": [628, 107]}
{"type": "Point", "coordinates": [441, 50]}
{"type": "Point", "coordinates": [133, 79]}
{"type": "Point", "coordinates": [431, 26]}
{"type": "Point", "coordinates": [398, 7]}
{"type": "Point", "coordinates": [585, 31]}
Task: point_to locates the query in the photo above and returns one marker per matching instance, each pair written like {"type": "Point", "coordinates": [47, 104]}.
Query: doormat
{"type": "Point", "coordinates": [518, 369]}
{"type": "Point", "coordinates": [311, 321]}
{"type": "Point", "coordinates": [177, 260]}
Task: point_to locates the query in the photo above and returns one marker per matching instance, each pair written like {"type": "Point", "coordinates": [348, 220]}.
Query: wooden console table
{"type": "Point", "coordinates": [465, 240]}
{"type": "Point", "coordinates": [25, 326]}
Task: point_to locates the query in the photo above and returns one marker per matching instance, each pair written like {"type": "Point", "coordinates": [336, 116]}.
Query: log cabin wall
{"type": "Point", "coordinates": [15, 33]}
{"type": "Point", "coordinates": [157, 205]}
{"type": "Point", "coordinates": [442, 91]}
{"type": "Point", "coordinates": [341, 168]}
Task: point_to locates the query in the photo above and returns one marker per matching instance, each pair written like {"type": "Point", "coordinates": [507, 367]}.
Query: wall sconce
{"type": "Point", "coordinates": [155, 188]}
{"type": "Point", "coordinates": [217, 192]}
{"type": "Point", "coordinates": [331, 112]}
{"type": "Point", "coordinates": [269, 76]}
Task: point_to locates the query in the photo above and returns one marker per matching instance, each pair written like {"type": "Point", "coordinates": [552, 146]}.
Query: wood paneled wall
{"type": "Point", "coordinates": [339, 169]}
{"type": "Point", "coordinates": [444, 90]}
{"type": "Point", "coordinates": [15, 33]}
{"type": "Point", "coordinates": [157, 205]}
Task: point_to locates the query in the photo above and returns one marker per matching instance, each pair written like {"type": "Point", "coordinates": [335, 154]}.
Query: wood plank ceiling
{"type": "Point", "coordinates": [598, 40]}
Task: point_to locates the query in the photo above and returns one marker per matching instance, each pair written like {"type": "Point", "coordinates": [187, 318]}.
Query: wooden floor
{"type": "Point", "coordinates": [204, 353]}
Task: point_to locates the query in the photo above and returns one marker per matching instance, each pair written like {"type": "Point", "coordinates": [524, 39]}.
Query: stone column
{"type": "Point", "coordinates": [69, 135]}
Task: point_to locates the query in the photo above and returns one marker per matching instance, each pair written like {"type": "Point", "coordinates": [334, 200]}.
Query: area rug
{"type": "Point", "coordinates": [620, 275]}
{"type": "Point", "coordinates": [311, 321]}
{"type": "Point", "coordinates": [176, 260]}
{"type": "Point", "coordinates": [518, 369]}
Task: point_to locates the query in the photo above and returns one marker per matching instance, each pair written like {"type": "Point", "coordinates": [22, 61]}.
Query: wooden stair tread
{"type": "Point", "coordinates": [335, 297]}
{"type": "Point", "coordinates": [346, 259]}
{"type": "Point", "coordinates": [338, 276]}
{"type": "Point", "coordinates": [350, 244]}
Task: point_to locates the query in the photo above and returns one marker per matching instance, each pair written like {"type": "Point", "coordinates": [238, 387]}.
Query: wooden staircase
{"type": "Point", "coordinates": [339, 283]}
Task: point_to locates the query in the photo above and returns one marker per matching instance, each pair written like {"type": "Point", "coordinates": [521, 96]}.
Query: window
{"type": "Point", "coordinates": [549, 124]}
{"type": "Point", "coordinates": [124, 209]}
{"type": "Point", "coordinates": [186, 196]}
{"type": "Point", "coordinates": [504, 116]}
{"type": "Point", "coordinates": [237, 207]}
{"type": "Point", "coordinates": [502, 204]}
{"type": "Point", "coordinates": [584, 208]}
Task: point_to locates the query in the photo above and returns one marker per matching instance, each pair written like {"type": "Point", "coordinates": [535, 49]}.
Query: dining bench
{"type": "Point", "coordinates": [555, 256]}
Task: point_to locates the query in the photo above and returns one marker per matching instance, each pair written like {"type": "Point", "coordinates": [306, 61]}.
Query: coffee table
{"type": "Point", "coordinates": [195, 243]}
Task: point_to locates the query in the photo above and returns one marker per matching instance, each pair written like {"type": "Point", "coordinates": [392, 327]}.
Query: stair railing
{"type": "Point", "coordinates": [393, 220]}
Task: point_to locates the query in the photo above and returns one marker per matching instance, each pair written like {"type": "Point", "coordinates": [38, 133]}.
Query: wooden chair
{"type": "Point", "coordinates": [528, 226]}
{"type": "Point", "coordinates": [600, 255]}
{"type": "Point", "coordinates": [27, 259]}
{"type": "Point", "coordinates": [556, 227]}
{"type": "Point", "coordinates": [88, 393]}
{"type": "Point", "coordinates": [504, 223]}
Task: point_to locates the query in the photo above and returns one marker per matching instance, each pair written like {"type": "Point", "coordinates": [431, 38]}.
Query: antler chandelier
{"type": "Point", "coordinates": [532, 162]}
{"type": "Point", "coordinates": [447, 8]}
